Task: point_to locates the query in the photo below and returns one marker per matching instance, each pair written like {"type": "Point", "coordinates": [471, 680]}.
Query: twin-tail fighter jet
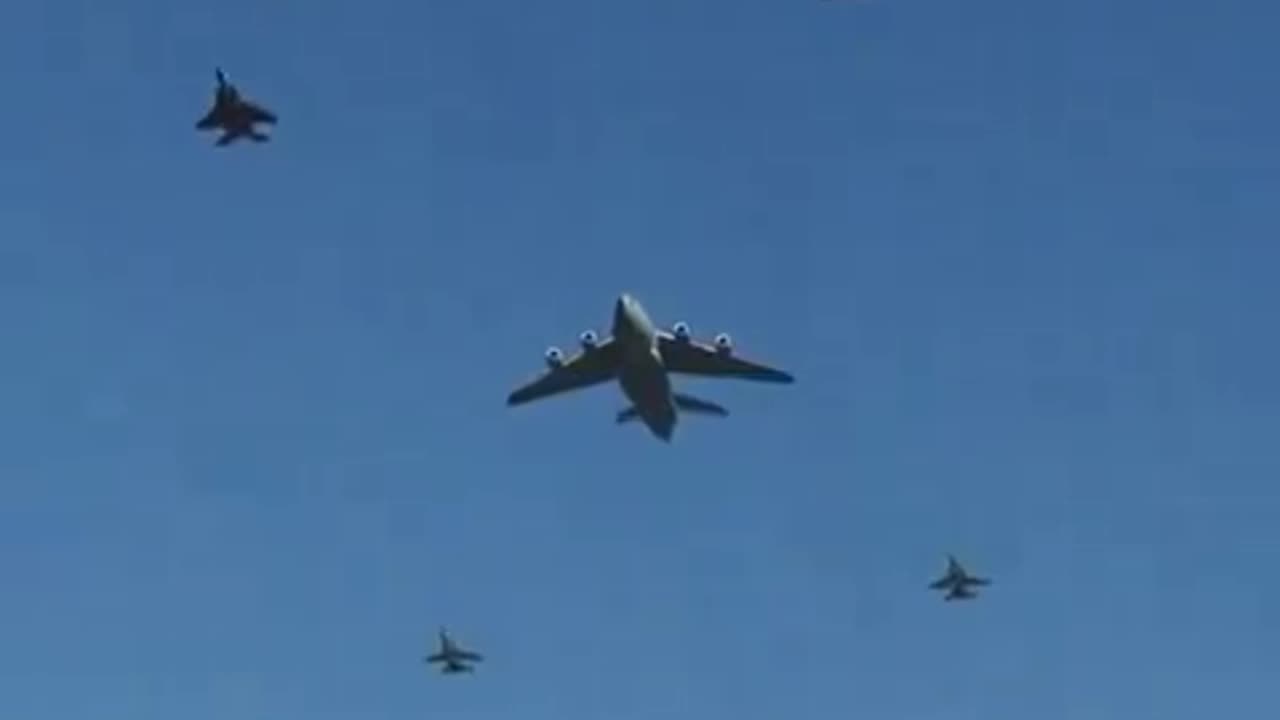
{"type": "Point", "coordinates": [452, 658]}
{"type": "Point", "coordinates": [234, 115]}
{"type": "Point", "coordinates": [639, 357]}
{"type": "Point", "coordinates": [957, 582]}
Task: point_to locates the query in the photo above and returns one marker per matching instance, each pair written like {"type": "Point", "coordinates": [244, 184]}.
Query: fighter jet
{"type": "Point", "coordinates": [453, 658]}
{"type": "Point", "coordinates": [234, 115]}
{"type": "Point", "coordinates": [640, 356]}
{"type": "Point", "coordinates": [957, 582]}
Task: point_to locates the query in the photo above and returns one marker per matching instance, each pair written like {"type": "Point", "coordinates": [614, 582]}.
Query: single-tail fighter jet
{"type": "Point", "coordinates": [957, 582]}
{"type": "Point", "coordinates": [640, 356]}
{"type": "Point", "coordinates": [452, 658]}
{"type": "Point", "coordinates": [234, 115]}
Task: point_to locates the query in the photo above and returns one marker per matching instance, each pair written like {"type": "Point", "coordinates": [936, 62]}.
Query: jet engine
{"type": "Point", "coordinates": [555, 358]}
{"type": "Point", "coordinates": [724, 344]}
{"type": "Point", "coordinates": [589, 340]}
{"type": "Point", "coordinates": [681, 329]}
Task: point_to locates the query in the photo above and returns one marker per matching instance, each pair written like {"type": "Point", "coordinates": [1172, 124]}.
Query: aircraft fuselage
{"type": "Point", "coordinates": [642, 376]}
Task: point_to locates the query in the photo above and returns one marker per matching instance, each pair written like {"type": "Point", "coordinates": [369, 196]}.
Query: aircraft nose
{"type": "Point", "coordinates": [621, 309]}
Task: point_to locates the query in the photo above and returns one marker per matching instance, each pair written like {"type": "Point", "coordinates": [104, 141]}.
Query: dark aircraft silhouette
{"type": "Point", "coordinates": [957, 582]}
{"type": "Point", "coordinates": [452, 658]}
{"type": "Point", "coordinates": [234, 115]}
{"type": "Point", "coordinates": [640, 357]}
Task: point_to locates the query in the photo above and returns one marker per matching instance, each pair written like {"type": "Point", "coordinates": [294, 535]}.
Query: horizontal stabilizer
{"type": "Point", "coordinates": [686, 403]}
{"type": "Point", "coordinates": [693, 405]}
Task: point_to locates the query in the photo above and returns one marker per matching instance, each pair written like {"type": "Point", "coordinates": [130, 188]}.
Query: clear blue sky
{"type": "Point", "coordinates": [1021, 257]}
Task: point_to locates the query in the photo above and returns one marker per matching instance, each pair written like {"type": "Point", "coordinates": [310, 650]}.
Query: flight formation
{"type": "Point", "coordinates": [637, 354]}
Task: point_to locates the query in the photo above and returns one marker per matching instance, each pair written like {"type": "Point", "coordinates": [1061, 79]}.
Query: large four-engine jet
{"type": "Point", "coordinates": [958, 582]}
{"type": "Point", "coordinates": [639, 357]}
{"type": "Point", "coordinates": [452, 658]}
{"type": "Point", "coordinates": [234, 115]}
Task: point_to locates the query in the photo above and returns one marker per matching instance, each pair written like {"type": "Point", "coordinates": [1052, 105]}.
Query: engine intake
{"type": "Point", "coordinates": [589, 339]}
{"type": "Point", "coordinates": [554, 357]}
{"type": "Point", "coordinates": [681, 329]}
{"type": "Point", "coordinates": [724, 344]}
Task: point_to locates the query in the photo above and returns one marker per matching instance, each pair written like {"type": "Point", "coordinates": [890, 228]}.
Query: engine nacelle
{"type": "Point", "coordinates": [724, 344]}
{"type": "Point", "coordinates": [681, 329]}
{"type": "Point", "coordinates": [589, 340]}
{"type": "Point", "coordinates": [555, 358]}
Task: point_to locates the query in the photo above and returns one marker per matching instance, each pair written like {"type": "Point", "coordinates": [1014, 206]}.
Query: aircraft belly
{"type": "Point", "coordinates": [647, 386]}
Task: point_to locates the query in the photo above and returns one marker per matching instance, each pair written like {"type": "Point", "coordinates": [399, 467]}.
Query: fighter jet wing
{"type": "Point", "coordinates": [697, 358]}
{"type": "Point", "coordinates": [587, 368]}
{"type": "Point", "coordinates": [468, 656]}
{"type": "Point", "coordinates": [940, 584]}
{"type": "Point", "coordinates": [256, 113]}
{"type": "Point", "coordinates": [209, 121]}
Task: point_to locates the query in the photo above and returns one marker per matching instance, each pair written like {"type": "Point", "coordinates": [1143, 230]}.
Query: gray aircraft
{"type": "Point", "coordinates": [452, 658]}
{"type": "Point", "coordinates": [957, 582]}
{"type": "Point", "coordinates": [234, 115]}
{"type": "Point", "coordinates": [639, 357]}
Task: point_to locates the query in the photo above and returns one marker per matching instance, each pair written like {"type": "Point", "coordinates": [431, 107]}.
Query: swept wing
{"type": "Point", "coordinates": [692, 357]}
{"type": "Point", "coordinates": [256, 113]}
{"type": "Point", "coordinates": [209, 121]}
{"type": "Point", "coordinates": [589, 367]}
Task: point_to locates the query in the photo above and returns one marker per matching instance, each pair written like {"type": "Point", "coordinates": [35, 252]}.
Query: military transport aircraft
{"type": "Point", "coordinates": [234, 115]}
{"type": "Point", "coordinates": [453, 658]}
{"type": "Point", "coordinates": [639, 357]}
{"type": "Point", "coordinates": [957, 582]}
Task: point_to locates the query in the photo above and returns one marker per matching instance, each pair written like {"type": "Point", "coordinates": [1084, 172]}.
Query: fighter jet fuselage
{"type": "Point", "coordinates": [958, 583]}
{"type": "Point", "coordinates": [452, 658]}
{"type": "Point", "coordinates": [235, 116]}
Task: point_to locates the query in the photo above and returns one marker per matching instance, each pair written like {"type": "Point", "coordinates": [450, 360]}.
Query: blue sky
{"type": "Point", "coordinates": [1019, 256]}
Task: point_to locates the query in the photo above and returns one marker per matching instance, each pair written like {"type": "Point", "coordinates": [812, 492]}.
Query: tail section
{"type": "Point", "coordinates": [231, 136]}
{"type": "Point", "coordinates": [694, 406]}
{"type": "Point", "coordinates": [686, 403]}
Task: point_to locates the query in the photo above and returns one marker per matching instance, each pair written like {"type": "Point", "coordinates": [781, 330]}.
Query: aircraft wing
{"type": "Point", "coordinates": [468, 656]}
{"type": "Point", "coordinates": [437, 657]}
{"type": "Point", "coordinates": [697, 358]}
{"type": "Point", "coordinates": [940, 584]}
{"type": "Point", "coordinates": [209, 121]}
{"type": "Point", "coordinates": [587, 368]}
{"type": "Point", "coordinates": [257, 113]}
